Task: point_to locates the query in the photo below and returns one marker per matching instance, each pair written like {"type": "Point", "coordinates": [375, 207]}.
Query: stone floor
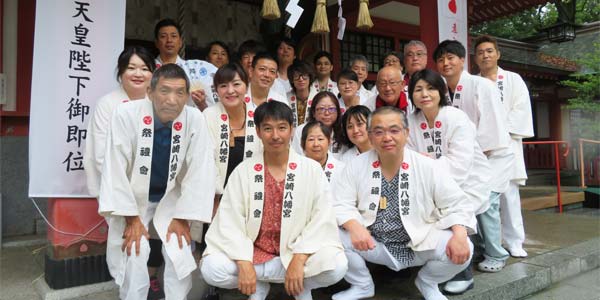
{"type": "Point", "coordinates": [585, 286]}
{"type": "Point", "coordinates": [547, 231]}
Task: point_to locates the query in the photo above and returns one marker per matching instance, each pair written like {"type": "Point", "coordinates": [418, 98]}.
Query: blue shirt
{"type": "Point", "coordinates": [161, 149]}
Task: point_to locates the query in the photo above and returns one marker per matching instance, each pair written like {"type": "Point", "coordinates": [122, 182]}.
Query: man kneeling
{"type": "Point", "coordinates": [158, 153]}
{"type": "Point", "coordinates": [400, 209]}
{"type": "Point", "coordinates": [275, 222]}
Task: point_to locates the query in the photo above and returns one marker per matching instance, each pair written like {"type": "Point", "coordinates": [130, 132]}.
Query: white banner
{"type": "Point", "coordinates": [76, 46]}
{"type": "Point", "coordinates": [452, 22]}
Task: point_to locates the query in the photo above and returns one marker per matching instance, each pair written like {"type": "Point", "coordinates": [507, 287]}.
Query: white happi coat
{"type": "Point", "coordinates": [201, 74]}
{"type": "Point", "coordinates": [292, 100]}
{"type": "Point", "coordinates": [126, 173]}
{"type": "Point", "coordinates": [218, 125]}
{"type": "Point", "coordinates": [480, 100]}
{"type": "Point", "coordinates": [97, 134]}
{"type": "Point", "coordinates": [364, 94]}
{"type": "Point", "coordinates": [349, 155]}
{"type": "Point", "coordinates": [452, 142]}
{"type": "Point", "coordinates": [430, 200]}
{"type": "Point", "coordinates": [307, 223]}
{"type": "Point", "coordinates": [331, 87]}
{"type": "Point", "coordinates": [515, 97]}
{"type": "Point", "coordinates": [332, 167]}
{"type": "Point", "coordinates": [273, 95]}
{"type": "Point", "coordinates": [281, 86]}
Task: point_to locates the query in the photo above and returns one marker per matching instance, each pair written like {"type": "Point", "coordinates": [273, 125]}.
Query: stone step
{"type": "Point", "coordinates": [531, 275]}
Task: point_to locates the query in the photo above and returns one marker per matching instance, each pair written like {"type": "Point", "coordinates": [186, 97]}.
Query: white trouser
{"type": "Point", "coordinates": [220, 271]}
{"type": "Point", "coordinates": [513, 232]}
{"type": "Point", "coordinates": [137, 281]}
{"type": "Point", "coordinates": [437, 266]}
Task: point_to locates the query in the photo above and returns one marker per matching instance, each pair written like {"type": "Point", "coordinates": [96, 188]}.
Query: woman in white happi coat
{"type": "Point", "coordinates": [349, 95]}
{"type": "Point", "coordinates": [218, 54]}
{"type": "Point", "coordinates": [300, 75]}
{"type": "Point", "coordinates": [134, 71]}
{"type": "Point", "coordinates": [354, 132]}
{"type": "Point", "coordinates": [275, 222]}
{"type": "Point", "coordinates": [325, 109]}
{"type": "Point", "coordinates": [137, 187]}
{"type": "Point", "coordinates": [231, 124]}
{"type": "Point", "coordinates": [323, 62]}
{"type": "Point", "coordinates": [445, 133]}
{"type": "Point", "coordinates": [316, 138]}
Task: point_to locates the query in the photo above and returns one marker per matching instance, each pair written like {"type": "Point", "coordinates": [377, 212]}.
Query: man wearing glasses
{"type": "Point", "coordinates": [415, 58]}
{"type": "Point", "coordinates": [405, 212]}
{"type": "Point", "coordinates": [390, 86]}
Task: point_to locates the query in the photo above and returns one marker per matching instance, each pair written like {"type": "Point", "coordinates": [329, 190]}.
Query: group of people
{"type": "Point", "coordinates": [303, 180]}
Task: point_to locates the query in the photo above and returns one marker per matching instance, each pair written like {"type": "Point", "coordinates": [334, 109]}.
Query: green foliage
{"type": "Point", "coordinates": [586, 85]}
{"type": "Point", "coordinates": [530, 22]}
{"type": "Point", "coordinates": [586, 82]}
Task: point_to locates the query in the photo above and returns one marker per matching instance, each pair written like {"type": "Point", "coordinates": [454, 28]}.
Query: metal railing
{"type": "Point", "coordinates": [556, 163]}
{"type": "Point", "coordinates": [581, 160]}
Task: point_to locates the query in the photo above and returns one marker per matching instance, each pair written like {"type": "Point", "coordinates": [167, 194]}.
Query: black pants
{"type": "Point", "coordinates": [156, 258]}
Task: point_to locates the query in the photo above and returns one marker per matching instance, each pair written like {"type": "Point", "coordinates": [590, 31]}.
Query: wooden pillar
{"type": "Point", "coordinates": [428, 14]}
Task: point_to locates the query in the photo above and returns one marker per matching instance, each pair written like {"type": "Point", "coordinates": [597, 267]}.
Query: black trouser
{"type": "Point", "coordinates": [156, 258]}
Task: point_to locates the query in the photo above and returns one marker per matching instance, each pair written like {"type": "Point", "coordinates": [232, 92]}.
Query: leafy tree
{"type": "Point", "coordinates": [530, 22]}
{"type": "Point", "coordinates": [586, 87]}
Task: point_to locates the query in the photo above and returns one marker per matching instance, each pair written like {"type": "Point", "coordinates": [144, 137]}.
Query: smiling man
{"type": "Point", "coordinates": [481, 101]}
{"type": "Point", "coordinates": [515, 98]}
{"type": "Point", "coordinates": [158, 153]}
{"type": "Point", "coordinates": [263, 74]}
{"type": "Point", "coordinates": [168, 40]}
{"type": "Point", "coordinates": [390, 87]}
{"type": "Point", "coordinates": [275, 222]}
{"type": "Point", "coordinates": [398, 208]}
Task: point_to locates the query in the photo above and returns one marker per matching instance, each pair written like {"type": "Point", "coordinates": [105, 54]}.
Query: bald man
{"type": "Point", "coordinates": [390, 87]}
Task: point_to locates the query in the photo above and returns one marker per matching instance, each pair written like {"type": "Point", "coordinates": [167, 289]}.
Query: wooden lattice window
{"type": "Point", "coordinates": [373, 47]}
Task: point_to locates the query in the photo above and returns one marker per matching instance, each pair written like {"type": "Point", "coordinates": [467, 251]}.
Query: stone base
{"type": "Point", "coordinates": [46, 293]}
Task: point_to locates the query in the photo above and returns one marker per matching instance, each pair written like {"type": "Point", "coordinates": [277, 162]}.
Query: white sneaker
{"type": "Point", "coordinates": [429, 291]}
{"type": "Point", "coordinates": [458, 287]}
{"type": "Point", "coordinates": [262, 291]}
{"type": "Point", "coordinates": [517, 252]}
{"type": "Point", "coordinates": [355, 293]}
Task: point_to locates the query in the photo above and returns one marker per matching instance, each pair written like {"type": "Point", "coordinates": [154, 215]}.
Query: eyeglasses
{"type": "Point", "coordinates": [391, 61]}
{"type": "Point", "coordinates": [379, 132]}
{"type": "Point", "coordinates": [419, 54]}
{"type": "Point", "coordinates": [323, 110]}
{"type": "Point", "coordinates": [390, 83]}
{"type": "Point", "coordinates": [303, 76]}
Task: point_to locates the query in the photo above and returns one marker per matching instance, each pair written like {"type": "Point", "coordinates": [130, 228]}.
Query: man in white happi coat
{"type": "Point", "coordinates": [275, 222]}
{"type": "Point", "coordinates": [480, 100]}
{"type": "Point", "coordinates": [168, 41]}
{"type": "Point", "coordinates": [415, 59]}
{"type": "Point", "coordinates": [262, 76]}
{"type": "Point", "coordinates": [323, 64]}
{"type": "Point", "coordinates": [400, 209]}
{"type": "Point", "coordinates": [360, 65]}
{"type": "Point", "coordinates": [158, 153]}
{"type": "Point", "coordinates": [515, 97]}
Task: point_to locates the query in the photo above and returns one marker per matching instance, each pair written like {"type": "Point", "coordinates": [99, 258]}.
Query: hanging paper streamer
{"type": "Point", "coordinates": [341, 22]}
{"type": "Point", "coordinates": [364, 18]}
{"type": "Point", "coordinates": [295, 12]}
